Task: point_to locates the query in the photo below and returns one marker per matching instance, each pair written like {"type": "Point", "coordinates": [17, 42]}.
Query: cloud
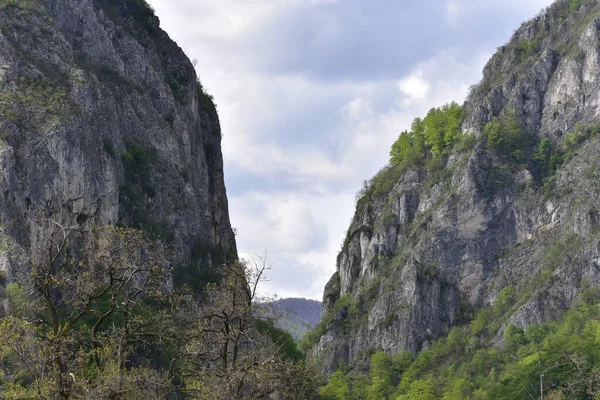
{"type": "Point", "coordinates": [301, 234]}
{"type": "Point", "coordinates": [283, 222]}
{"type": "Point", "coordinates": [311, 95]}
{"type": "Point", "coordinates": [414, 85]}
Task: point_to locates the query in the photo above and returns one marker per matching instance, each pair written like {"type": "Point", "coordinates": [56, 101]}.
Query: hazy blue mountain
{"type": "Point", "coordinates": [296, 315]}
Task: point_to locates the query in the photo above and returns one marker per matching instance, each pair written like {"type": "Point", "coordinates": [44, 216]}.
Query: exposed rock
{"type": "Point", "coordinates": [428, 249]}
{"type": "Point", "coordinates": [103, 121]}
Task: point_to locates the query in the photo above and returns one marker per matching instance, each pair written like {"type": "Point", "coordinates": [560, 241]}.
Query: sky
{"type": "Point", "coordinates": [311, 95]}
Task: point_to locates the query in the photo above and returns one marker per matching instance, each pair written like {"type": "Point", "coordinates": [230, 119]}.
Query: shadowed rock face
{"type": "Point", "coordinates": [102, 121]}
{"type": "Point", "coordinates": [419, 256]}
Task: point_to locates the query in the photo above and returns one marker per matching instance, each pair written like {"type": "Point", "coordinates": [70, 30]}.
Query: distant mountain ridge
{"type": "Point", "coordinates": [297, 315]}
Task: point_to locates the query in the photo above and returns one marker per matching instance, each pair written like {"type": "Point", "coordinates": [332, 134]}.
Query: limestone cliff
{"type": "Point", "coordinates": [103, 121]}
{"type": "Point", "coordinates": [427, 245]}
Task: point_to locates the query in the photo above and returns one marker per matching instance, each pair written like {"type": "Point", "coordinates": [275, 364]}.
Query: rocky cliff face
{"type": "Point", "coordinates": [103, 121]}
{"type": "Point", "coordinates": [433, 245]}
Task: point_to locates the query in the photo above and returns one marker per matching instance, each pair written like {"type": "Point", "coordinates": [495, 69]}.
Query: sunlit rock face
{"type": "Point", "coordinates": [419, 257]}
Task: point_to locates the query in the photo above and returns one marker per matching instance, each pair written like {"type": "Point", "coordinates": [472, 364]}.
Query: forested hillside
{"type": "Point", "coordinates": [297, 316]}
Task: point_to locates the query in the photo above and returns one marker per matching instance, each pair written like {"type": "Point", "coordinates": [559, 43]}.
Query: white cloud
{"type": "Point", "coordinates": [414, 85]}
{"type": "Point", "coordinates": [285, 223]}
{"type": "Point", "coordinates": [356, 110]}
{"type": "Point", "coordinates": [300, 233]}
{"type": "Point", "coordinates": [311, 95]}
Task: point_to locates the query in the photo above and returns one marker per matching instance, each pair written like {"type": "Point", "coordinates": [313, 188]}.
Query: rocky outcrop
{"type": "Point", "coordinates": [103, 121]}
{"type": "Point", "coordinates": [548, 71]}
{"type": "Point", "coordinates": [437, 244]}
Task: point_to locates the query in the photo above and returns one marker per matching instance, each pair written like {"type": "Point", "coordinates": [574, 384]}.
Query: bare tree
{"type": "Point", "coordinates": [227, 356]}
{"type": "Point", "coordinates": [80, 312]}
{"type": "Point", "coordinates": [99, 319]}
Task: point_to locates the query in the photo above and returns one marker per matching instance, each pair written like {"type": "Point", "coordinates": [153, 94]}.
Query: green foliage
{"type": "Point", "coordinates": [98, 320]}
{"type": "Point", "coordinates": [137, 158]}
{"type": "Point", "coordinates": [202, 267]}
{"type": "Point", "coordinates": [346, 306]}
{"type": "Point", "coordinates": [345, 302]}
{"type": "Point", "coordinates": [370, 291]}
{"type": "Point", "coordinates": [109, 148]}
{"type": "Point", "coordinates": [560, 249]}
{"type": "Point", "coordinates": [425, 145]}
{"type": "Point", "coordinates": [136, 15]}
{"type": "Point", "coordinates": [419, 390]}
{"type": "Point", "coordinates": [443, 127]}
{"type": "Point", "coordinates": [135, 196]}
{"type": "Point", "coordinates": [510, 140]}
{"type": "Point", "coordinates": [282, 339]}
{"type": "Point", "coordinates": [429, 271]}
{"type": "Point", "coordinates": [504, 301]}
{"type": "Point", "coordinates": [23, 7]}
{"type": "Point", "coordinates": [526, 49]}
{"type": "Point", "coordinates": [433, 135]}
{"type": "Point", "coordinates": [336, 389]}
{"type": "Point", "coordinates": [579, 135]}
{"type": "Point", "coordinates": [381, 384]}
{"type": "Point", "coordinates": [410, 146]}
{"type": "Point", "coordinates": [514, 336]}
{"type": "Point", "coordinates": [312, 337]}
{"type": "Point", "coordinates": [382, 183]}
{"type": "Point", "coordinates": [481, 322]}
{"type": "Point", "coordinates": [466, 144]}
{"type": "Point", "coordinates": [17, 299]}
{"type": "Point", "coordinates": [36, 103]}
{"type": "Point", "coordinates": [575, 4]}
{"type": "Point", "coordinates": [464, 365]}
{"type": "Point", "coordinates": [547, 158]}
{"type": "Point", "coordinates": [508, 137]}
{"type": "Point", "coordinates": [207, 103]}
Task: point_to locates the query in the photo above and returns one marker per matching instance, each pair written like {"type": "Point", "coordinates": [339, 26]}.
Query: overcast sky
{"type": "Point", "coordinates": [311, 95]}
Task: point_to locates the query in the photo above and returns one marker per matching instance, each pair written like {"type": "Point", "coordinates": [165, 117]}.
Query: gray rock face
{"type": "Point", "coordinates": [102, 121]}
{"type": "Point", "coordinates": [419, 256]}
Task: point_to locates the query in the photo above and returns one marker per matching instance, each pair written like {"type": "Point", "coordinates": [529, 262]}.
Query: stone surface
{"type": "Point", "coordinates": [103, 121]}
{"type": "Point", "coordinates": [421, 254]}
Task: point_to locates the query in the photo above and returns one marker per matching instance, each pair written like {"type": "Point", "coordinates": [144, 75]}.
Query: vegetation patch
{"type": "Point", "coordinates": [282, 339]}
{"type": "Point", "coordinates": [556, 359]}
{"type": "Point", "coordinates": [203, 267]}
{"type": "Point", "coordinates": [346, 306]}
{"type": "Point", "coordinates": [34, 103]}
{"type": "Point", "coordinates": [109, 148]}
{"type": "Point", "coordinates": [433, 136]}
{"type": "Point", "coordinates": [508, 138]}
{"type": "Point", "coordinates": [426, 145]}
{"type": "Point", "coordinates": [23, 7]}
{"type": "Point", "coordinates": [135, 15]}
{"type": "Point", "coordinates": [526, 49]}
{"type": "Point", "coordinates": [207, 102]}
{"type": "Point", "coordinates": [135, 196]}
